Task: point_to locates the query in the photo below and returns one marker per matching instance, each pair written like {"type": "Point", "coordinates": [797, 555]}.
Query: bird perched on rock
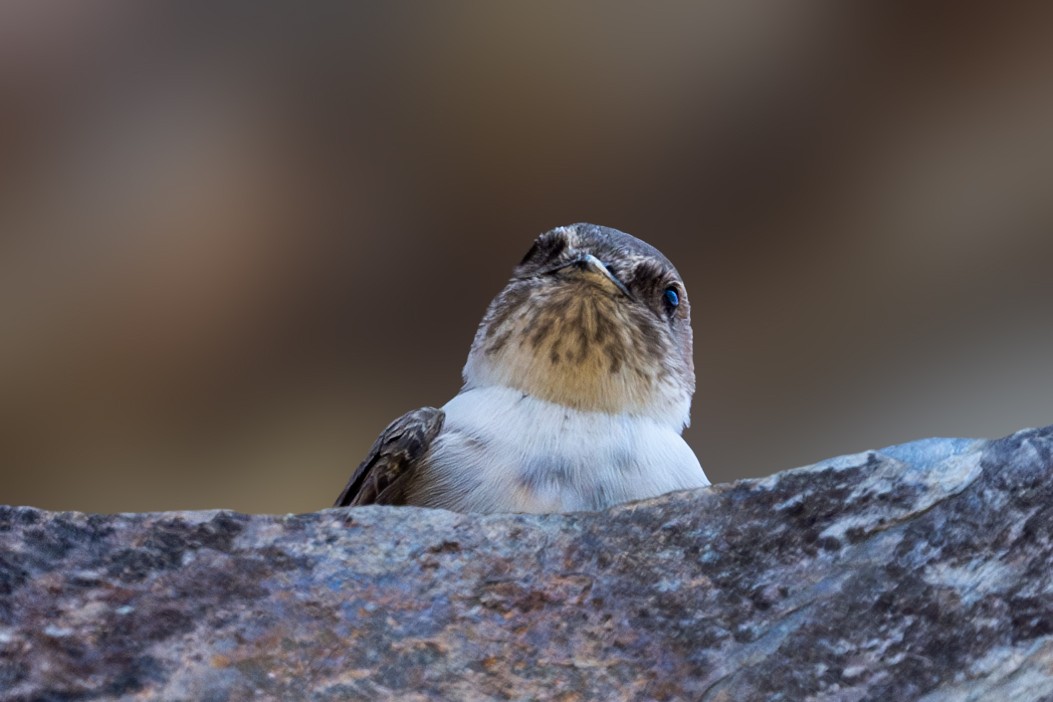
{"type": "Point", "coordinates": [576, 391]}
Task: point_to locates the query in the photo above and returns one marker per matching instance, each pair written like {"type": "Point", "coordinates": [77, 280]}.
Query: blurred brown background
{"type": "Point", "coordinates": [236, 239]}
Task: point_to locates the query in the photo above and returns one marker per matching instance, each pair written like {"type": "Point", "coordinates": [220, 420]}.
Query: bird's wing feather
{"type": "Point", "coordinates": [382, 477]}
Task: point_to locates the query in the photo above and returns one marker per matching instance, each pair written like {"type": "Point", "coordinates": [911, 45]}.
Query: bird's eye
{"type": "Point", "coordinates": [672, 299]}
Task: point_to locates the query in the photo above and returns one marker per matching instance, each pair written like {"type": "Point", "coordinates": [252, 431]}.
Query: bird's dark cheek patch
{"type": "Point", "coordinates": [556, 248]}
{"type": "Point", "coordinates": [547, 248]}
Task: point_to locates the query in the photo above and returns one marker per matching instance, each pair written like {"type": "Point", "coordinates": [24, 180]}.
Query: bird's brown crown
{"type": "Point", "coordinates": [593, 319]}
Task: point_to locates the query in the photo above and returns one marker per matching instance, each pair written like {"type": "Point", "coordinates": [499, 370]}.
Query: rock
{"type": "Point", "coordinates": [922, 571]}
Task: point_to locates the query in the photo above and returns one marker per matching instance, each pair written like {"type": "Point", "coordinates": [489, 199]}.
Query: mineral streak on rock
{"type": "Point", "coordinates": [922, 571]}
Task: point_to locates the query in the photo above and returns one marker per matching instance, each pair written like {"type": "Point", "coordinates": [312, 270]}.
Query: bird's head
{"type": "Point", "coordinates": [592, 319]}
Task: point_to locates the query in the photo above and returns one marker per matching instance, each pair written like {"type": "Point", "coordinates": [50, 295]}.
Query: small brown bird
{"type": "Point", "coordinates": [576, 391]}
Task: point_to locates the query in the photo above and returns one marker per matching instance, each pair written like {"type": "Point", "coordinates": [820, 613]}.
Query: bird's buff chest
{"type": "Point", "coordinates": [578, 345]}
{"type": "Point", "coordinates": [503, 450]}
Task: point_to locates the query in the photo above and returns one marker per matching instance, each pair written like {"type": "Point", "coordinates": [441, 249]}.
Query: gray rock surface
{"type": "Point", "coordinates": [919, 572]}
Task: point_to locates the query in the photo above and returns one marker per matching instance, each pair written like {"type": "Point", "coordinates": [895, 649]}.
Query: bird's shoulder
{"type": "Point", "coordinates": [382, 478]}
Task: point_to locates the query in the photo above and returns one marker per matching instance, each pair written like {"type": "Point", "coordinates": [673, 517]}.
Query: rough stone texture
{"type": "Point", "coordinates": [917, 572]}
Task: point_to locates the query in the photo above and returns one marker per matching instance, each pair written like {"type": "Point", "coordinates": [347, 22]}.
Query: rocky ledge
{"type": "Point", "coordinates": [922, 571]}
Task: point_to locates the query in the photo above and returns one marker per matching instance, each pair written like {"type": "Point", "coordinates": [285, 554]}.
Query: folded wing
{"type": "Point", "coordinates": [383, 476]}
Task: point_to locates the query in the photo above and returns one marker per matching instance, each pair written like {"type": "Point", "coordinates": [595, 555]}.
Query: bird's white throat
{"type": "Point", "coordinates": [504, 450]}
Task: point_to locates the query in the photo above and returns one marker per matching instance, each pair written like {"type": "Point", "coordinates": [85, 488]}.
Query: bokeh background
{"type": "Point", "coordinates": [236, 239]}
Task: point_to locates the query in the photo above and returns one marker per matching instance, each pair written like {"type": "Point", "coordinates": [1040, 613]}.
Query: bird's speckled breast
{"type": "Point", "coordinates": [578, 345]}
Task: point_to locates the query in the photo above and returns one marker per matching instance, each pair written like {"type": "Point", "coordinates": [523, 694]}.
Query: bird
{"type": "Point", "coordinates": [576, 392]}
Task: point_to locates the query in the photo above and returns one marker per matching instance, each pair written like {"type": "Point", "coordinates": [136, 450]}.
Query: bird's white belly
{"type": "Point", "coordinates": [503, 451]}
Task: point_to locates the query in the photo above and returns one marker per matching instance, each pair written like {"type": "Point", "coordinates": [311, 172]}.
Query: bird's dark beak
{"type": "Point", "coordinates": [592, 266]}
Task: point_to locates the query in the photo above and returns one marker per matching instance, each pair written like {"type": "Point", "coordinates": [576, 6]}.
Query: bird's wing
{"type": "Point", "coordinates": [382, 477]}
